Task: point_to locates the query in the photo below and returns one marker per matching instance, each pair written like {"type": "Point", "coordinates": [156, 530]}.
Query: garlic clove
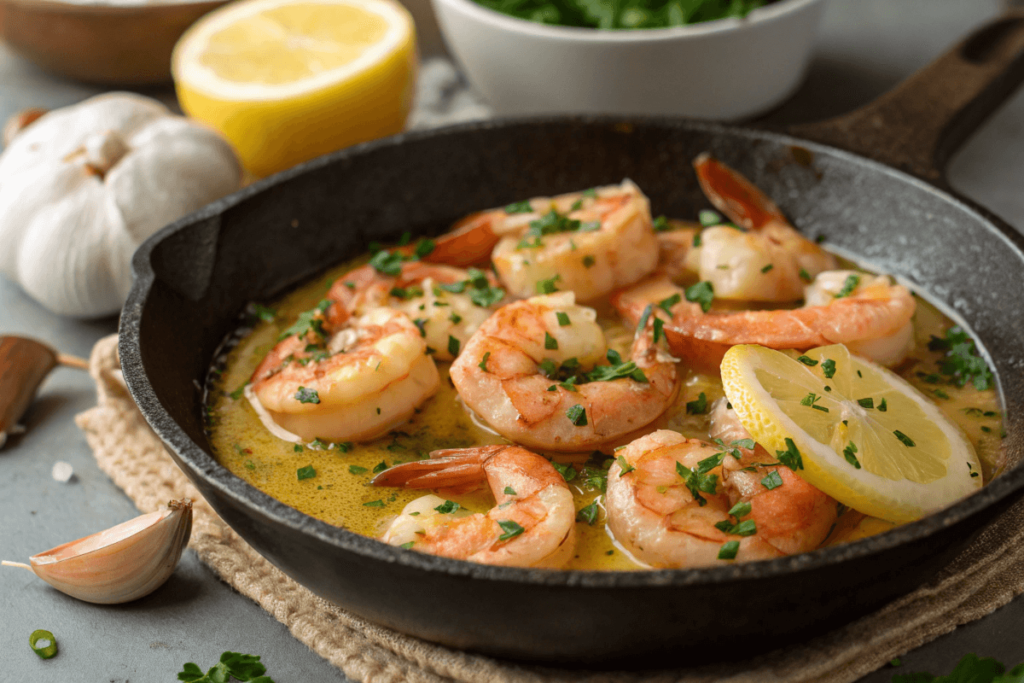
{"type": "Point", "coordinates": [121, 564]}
{"type": "Point", "coordinates": [19, 122]}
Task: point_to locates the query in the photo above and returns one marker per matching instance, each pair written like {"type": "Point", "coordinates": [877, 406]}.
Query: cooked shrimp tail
{"type": "Point", "coordinates": [445, 469]}
{"type": "Point", "coordinates": [734, 195]}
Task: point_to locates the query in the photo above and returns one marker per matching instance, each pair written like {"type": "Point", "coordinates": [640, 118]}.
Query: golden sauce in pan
{"type": "Point", "coordinates": [340, 492]}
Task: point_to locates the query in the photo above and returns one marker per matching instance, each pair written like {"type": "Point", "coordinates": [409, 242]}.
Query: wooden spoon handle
{"type": "Point", "coordinates": [24, 364]}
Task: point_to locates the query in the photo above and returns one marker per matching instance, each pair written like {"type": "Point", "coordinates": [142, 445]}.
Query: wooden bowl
{"type": "Point", "coordinates": [103, 44]}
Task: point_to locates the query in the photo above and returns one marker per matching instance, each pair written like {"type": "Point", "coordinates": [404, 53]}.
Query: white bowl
{"type": "Point", "coordinates": [724, 69]}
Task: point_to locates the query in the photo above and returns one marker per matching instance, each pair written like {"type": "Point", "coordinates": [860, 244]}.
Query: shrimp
{"type": "Point", "coordinates": [446, 304]}
{"type": "Point", "coordinates": [866, 311]}
{"type": "Point", "coordinates": [532, 525]}
{"type": "Point", "coordinates": [524, 373]}
{"type": "Point", "coordinates": [343, 378]}
{"type": "Point", "coordinates": [665, 505]}
{"type": "Point", "coordinates": [591, 242]}
{"type": "Point", "coordinates": [791, 516]}
{"type": "Point", "coordinates": [677, 246]}
{"type": "Point", "coordinates": [770, 261]}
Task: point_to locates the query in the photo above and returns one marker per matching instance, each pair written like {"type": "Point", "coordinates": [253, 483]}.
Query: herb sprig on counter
{"type": "Point", "coordinates": [232, 666]}
{"type": "Point", "coordinates": [623, 14]}
{"type": "Point", "coordinates": [970, 669]}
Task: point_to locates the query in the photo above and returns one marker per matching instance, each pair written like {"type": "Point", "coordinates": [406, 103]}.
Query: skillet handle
{"type": "Point", "coordinates": [918, 125]}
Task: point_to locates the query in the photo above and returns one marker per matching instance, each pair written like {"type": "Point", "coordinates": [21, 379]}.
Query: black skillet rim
{"type": "Point", "coordinates": [259, 503]}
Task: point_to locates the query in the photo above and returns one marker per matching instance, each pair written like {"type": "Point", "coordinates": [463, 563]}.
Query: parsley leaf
{"type": "Point", "coordinates": [568, 472]}
{"type": "Point", "coordinates": [548, 286]}
{"type": "Point", "coordinates": [304, 395]}
{"type": "Point", "coordinates": [698, 406]}
{"type": "Point", "coordinates": [306, 472]}
{"type": "Point", "coordinates": [510, 528]}
{"type": "Point", "coordinates": [577, 415]}
{"type": "Point", "coordinates": [810, 362]}
{"type": "Point", "coordinates": [563, 319]}
{"type": "Point", "coordinates": [962, 363]}
{"type": "Point", "coordinates": [697, 482]}
{"type": "Point", "coordinates": [773, 480]}
{"type": "Point", "coordinates": [453, 345]}
{"type": "Point", "coordinates": [264, 313]}
{"type": "Point", "coordinates": [387, 263]}
{"type": "Point", "coordinates": [661, 224]}
{"type": "Point", "coordinates": [848, 286]}
{"type": "Point", "coordinates": [970, 669]}
{"type": "Point", "coordinates": [791, 456]}
{"type": "Point", "coordinates": [447, 507]}
{"type": "Point", "coordinates": [728, 550]}
{"type": "Point", "coordinates": [850, 453]}
{"type": "Point", "coordinates": [588, 513]}
{"type": "Point", "coordinates": [356, 469]}
{"type": "Point", "coordinates": [624, 466]}
{"type": "Point", "coordinates": [828, 366]}
{"type": "Point", "coordinates": [519, 207]}
{"type": "Point", "coordinates": [907, 441]}
{"type": "Point", "coordinates": [483, 363]}
{"type": "Point", "coordinates": [550, 343]}
{"type": "Point", "coordinates": [702, 293]}
{"type": "Point", "coordinates": [232, 665]}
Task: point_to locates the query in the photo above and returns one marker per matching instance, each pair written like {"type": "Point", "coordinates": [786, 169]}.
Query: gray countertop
{"type": "Point", "coordinates": [865, 47]}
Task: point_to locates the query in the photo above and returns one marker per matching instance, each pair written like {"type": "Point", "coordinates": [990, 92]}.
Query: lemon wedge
{"type": "Point", "coordinates": [862, 434]}
{"type": "Point", "coordinates": [288, 80]}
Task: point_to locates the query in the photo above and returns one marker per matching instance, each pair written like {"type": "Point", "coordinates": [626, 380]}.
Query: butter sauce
{"type": "Point", "coordinates": [340, 492]}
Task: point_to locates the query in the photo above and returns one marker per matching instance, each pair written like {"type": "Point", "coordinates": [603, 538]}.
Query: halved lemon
{"type": "Point", "coordinates": [863, 435]}
{"type": "Point", "coordinates": [288, 80]}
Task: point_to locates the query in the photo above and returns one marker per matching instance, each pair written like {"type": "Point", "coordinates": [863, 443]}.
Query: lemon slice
{"type": "Point", "coordinates": [865, 436]}
{"type": "Point", "coordinates": [288, 80]}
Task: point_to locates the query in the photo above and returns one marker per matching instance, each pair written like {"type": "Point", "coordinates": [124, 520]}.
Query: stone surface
{"type": "Point", "coordinates": [866, 46]}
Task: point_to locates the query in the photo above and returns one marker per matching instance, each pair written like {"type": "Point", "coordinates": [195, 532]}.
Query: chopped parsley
{"type": "Point", "coordinates": [550, 343]}
{"type": "Point", "coordinates": [828, 366]}
{"type": "Point", "coordinates": [848, 286]}
{"type": "Point", "coordinates": [563, 320]}
{"type": "Point", "coordinates": [264, 313]}
{"type": "Point", "coordinates": [374, 504]}
{"type": "Point", "coordinates": [810, 362]}
{"type": "Point", "coordinates": [850, 453]}
{"type": "Point", "coordinates": [768, 268]}
{"type": "Point", "coordinates": [356, 469]}
{"type": "Point", "coordinates": [811, 400]}
{"type": "Point", "coordinates": [868, 403]}
{"type": "Point", "coordinates": [772, 480]}
{"type": "Point", "coordinates": [616, 370]}
{"type": "Point", "coordinates": [791, 456]}
{"type": "Point", "coordinates": [883, 406]}
{"type": "Point", "coordinates": [702, 293]}
{"type": "Point", "coordinates": [588, 513]}
{"type": "Point", "coordinates": [728, 550]}
{"type": "Point", "coordinates": [589, 261]}
{"type": "Point", "coordinates": [239, 392]}
{"type": "Point", "coordinates": [805, 276]}
{"type": "Point", "coordinates": [962, 364]}
{"type": "Point", "coordinates": [661, 224]}
{"type": "Point", "coordinates": [509, 491]}
{"type": "Point", "coordinates": [447, 507]}
{"type": "Point", "coordinates": [306, 395]}
{"type": "Point", "coordinates": [380, 467]}
{"type": "Point", "coordinates": [577, 415]}
{"type": "Point", "coordinates": [667, 303]}
{"type": "Point", "coordinates": [483, 363]}
{"type": "Point", "coordinates": [453, 345]}
{"type": "Point", "coordinates": [510, 528]}
{"type": "Point", "coordinates": [708, 218]}
{"type": "Point", "coordinates": [907, 441]}
{"type": "Point", "coordinates": [548, 286]}
{"type": "Point", "coordinates": [699, 406]}
{"type": "Point", "coordinates": [696, 240]}
{"type": "Point", "coordinates": [624, 466]}
{"type": "Point", "coordinates": [387, 263]}
{"type": "Point", "coordinates": [306, 472]}
{"type": "Point", "coordinates": [697, 483]}
{"type": "Point", "coordinates": [519, 207]}
{"type": "Point", "coordinates": [568, 472]}
{"type": "Point", "coordinates": [659, 329]}
{"type": "Point", "coordinates": [421, 324]}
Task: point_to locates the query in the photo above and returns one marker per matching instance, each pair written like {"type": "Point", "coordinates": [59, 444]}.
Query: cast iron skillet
{"type": "Point", "coordinates": [194, 278]}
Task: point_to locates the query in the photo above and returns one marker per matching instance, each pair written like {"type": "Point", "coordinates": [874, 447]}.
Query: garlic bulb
{"type": "Point", "coordinates": [121, 564]}
{"type": "Point", "coordinates": [81, 187]}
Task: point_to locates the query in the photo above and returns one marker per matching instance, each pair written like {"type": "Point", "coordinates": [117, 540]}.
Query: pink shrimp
{"type": "Point", "coordinates": [873, 317]}
{"type": "Point", "coordinates": [531, 525]}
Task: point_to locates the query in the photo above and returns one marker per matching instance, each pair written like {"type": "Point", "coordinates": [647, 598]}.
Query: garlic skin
{"type": "Point", "coordinates": [121, 564]}
{"type": "Point", "coordinates": [82, 187]}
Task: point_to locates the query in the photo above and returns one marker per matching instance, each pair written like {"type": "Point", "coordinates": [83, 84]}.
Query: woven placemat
{"type": "Point", "coordinates": [985, 576]}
